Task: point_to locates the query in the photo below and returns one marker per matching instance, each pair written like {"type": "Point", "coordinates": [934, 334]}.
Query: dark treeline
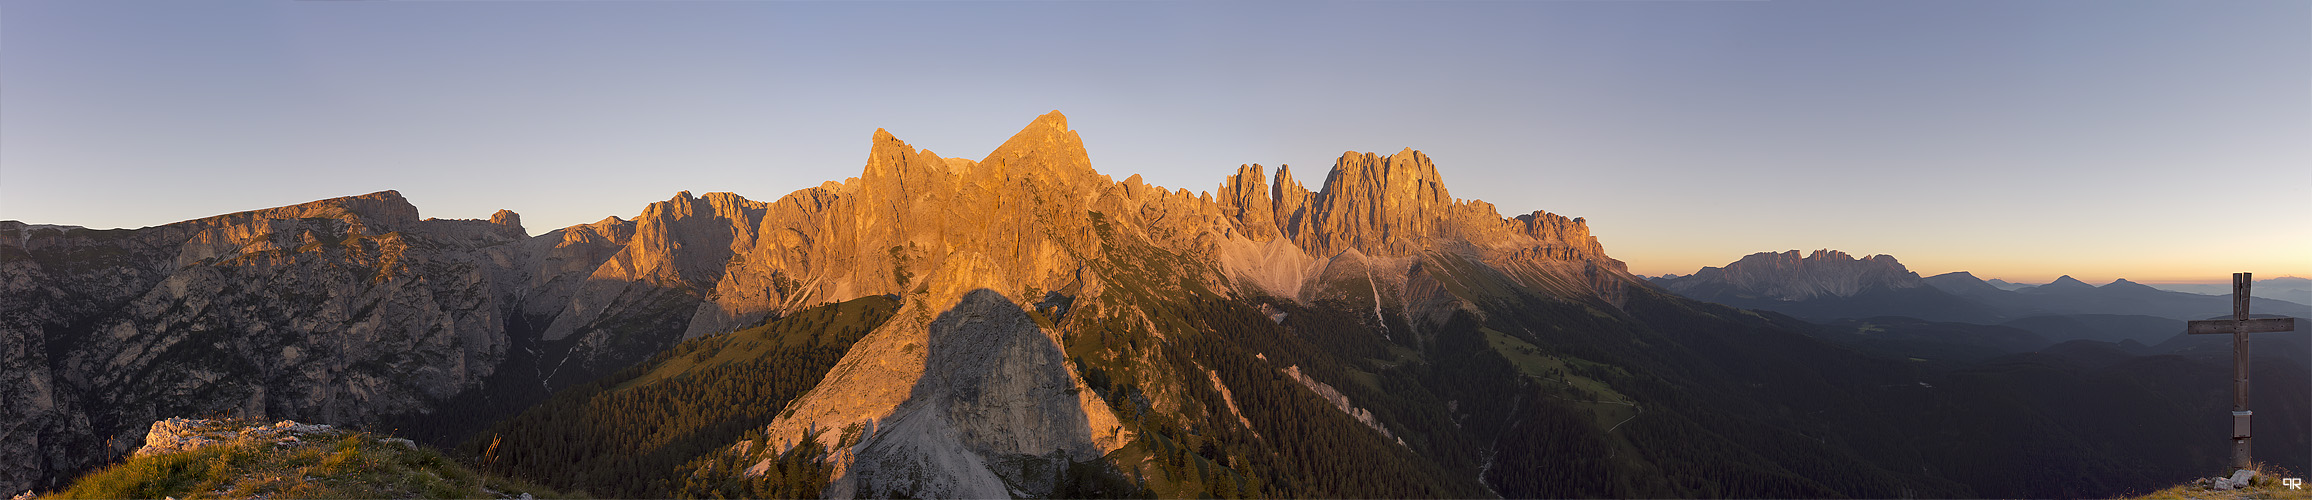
{"type": "Point", "coordinates": [643, 432]}
{"type": "Point", "coordinates": [1298, 445]}
{"type": "Point", "coordinates": [532, 362]}
{"type": "Point", "coordinates": [800, 471]}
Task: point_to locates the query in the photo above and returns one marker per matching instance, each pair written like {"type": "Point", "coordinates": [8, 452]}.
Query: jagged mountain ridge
{"type": "Point", "coordinates": [911, 210]}
{"type": "Point", "coordinates": [366, 310]}
{"type": "Point", "coordinates": [1826, 285]}
{"type": "Point", "coordinates": [1788, 276]}
{"type": "Point", "coordinates": [2069, 296]}
{"type": "Point", "coordinates": [1829, 285]}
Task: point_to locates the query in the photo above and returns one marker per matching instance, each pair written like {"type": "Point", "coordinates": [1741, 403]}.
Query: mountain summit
{"type": "Point", "coordinates": [1826, 285]}
{"type": "Point", "coordinates": [2065, 282]}
{"type": "Point", "coordinates": [1787, 276]}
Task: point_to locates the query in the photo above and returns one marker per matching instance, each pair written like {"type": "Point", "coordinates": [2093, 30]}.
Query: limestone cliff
{"type": "Point", "coordinates": [1787, 276]}
{"type": "Point", "coordinates": [1828, 285]}
{"type": "Point", "coordinates": [1032, 203]}
{"type": "Point", "coordinates": [339, 309]}
{"type": "Point", "coordinates": [994, 392]}
{"type": "Point", "coordinates": [344, 310]}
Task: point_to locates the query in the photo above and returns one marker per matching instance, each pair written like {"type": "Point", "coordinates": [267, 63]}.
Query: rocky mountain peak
{"type": "Point", "coordinates": [1291, 200]}
{"type": "Point", "coordinates": [686, 239]}
{"type": "Point", "coordinates": [1245, 198]}
{"type": "Point", "coordinates": [507, 218]}
{"type": "Point", "coordinates": [1787, 276]}
{"type": "Point", "coordinates": [2066, 281]}
{"type": "Point", "coordinates": [1378, 205]}
{"type": "Point", "coordinates": [1964, 284]}
{"type": "Point", "coordinates": [380, 212]}
{"type": "Point", "coordinates": [894, 164]}
{"type": "Point", "coordinates": [1044, 150]}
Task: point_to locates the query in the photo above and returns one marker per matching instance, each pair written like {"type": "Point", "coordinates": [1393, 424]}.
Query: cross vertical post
{"type": "Point", "coordinates": [2240, 413]}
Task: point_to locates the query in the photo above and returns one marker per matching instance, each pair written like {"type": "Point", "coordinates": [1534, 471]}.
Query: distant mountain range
{"type": "Point", "coordinates": [2067, 342]}
{"type": "Point", "coordinates": [2004, 285]}
{"type": "Point", "coordinates": [1829, 285]}
{"type": "Point", "coordinates": [2288, 288]}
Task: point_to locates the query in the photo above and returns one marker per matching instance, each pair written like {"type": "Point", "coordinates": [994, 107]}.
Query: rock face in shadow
{"type": "Point", "coordinates": [993, 414]}
{"type": "Point", "coordinates": [339, 309]}
{"type": "Point", "coordinates": [958, 379]}
{"type": "Point", "coordinates": [344, 310]}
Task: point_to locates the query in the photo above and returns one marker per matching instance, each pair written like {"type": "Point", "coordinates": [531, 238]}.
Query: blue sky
{"type": "Point", "coordinates": [2021, 139]}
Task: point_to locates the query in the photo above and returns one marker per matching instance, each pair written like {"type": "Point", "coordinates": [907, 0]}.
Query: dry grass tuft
{"type": "Point", "coordinates": [2266, 486]}
{"type": "Point", "coordinates": [339, 464]}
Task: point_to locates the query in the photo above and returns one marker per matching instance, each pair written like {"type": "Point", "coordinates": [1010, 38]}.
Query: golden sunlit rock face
{"type": "Point", "coordinates": [1030, 208]}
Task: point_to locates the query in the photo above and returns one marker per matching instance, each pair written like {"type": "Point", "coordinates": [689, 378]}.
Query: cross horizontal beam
{"type": "Point", "coordinates": [2255, 325]}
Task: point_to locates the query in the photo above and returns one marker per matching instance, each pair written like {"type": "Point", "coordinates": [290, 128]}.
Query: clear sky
{"type": "Point", "coordinates": [2155, 141]}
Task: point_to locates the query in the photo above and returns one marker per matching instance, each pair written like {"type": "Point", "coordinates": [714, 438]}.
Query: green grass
{"type": "Point", "coordinates": [351, 465]}
{"type": "Point", "coordinates": [2266, 485]}
{"type": "Point", "coordinates": [1531, 362]}
{"type": "Point", "coordinates": [1364, 378]}
{"type": "Point", "coordinates": [1187, 481]}
{"type": "Point", "coordinates": [758, 342]}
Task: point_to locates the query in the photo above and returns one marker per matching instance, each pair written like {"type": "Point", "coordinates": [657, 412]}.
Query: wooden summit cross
{"type": "Point", "coordinates": [2239, 327]}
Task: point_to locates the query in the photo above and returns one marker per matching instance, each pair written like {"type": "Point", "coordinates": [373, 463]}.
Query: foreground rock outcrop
{"type": "Point", "coordinates": [240, 458]}
{"type": "Point", "coordinates": [175, 435]}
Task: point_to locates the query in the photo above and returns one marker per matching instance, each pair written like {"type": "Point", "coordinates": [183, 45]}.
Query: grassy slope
{"type": "Point", "coordinates": [2266, 485]}
{"type": "Point", "coordinates": [352, 465]}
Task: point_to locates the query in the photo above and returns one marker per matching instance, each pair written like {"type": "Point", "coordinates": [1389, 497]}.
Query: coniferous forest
{"type": "Point", "coordinates": [648, 431]}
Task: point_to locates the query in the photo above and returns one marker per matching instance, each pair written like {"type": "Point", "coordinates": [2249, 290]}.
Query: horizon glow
{"type": "Point", "coordinates": [2013, 140]}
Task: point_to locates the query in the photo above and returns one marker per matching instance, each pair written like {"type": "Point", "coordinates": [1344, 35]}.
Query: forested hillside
{"type": "Point", "coordinates": [636, 433]}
